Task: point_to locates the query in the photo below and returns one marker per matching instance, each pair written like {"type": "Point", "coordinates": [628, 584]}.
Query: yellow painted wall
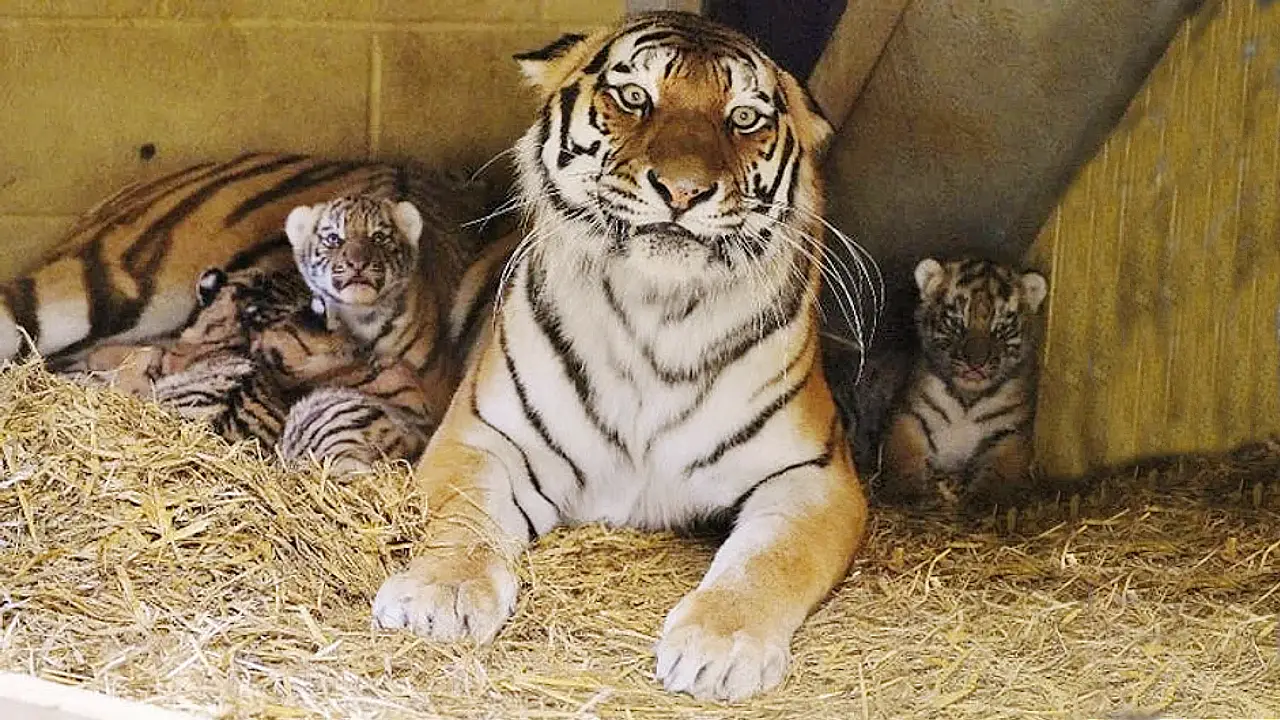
{"type": "Point", "coordinates": [1164, 258]}
{"type": "Point", "coordinates": [84, 84]}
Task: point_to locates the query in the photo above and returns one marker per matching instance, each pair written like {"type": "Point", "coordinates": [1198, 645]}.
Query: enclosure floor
{"type": "Point", "coordinates": [145, 558]}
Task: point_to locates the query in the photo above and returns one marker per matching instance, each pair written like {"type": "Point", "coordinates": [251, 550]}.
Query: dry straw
{"type": "Point", "coordinates": [146, 558]}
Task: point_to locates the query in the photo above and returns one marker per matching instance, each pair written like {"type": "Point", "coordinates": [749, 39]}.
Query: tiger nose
{"type": "Point", "coordinates": [680, 194]}
{"type": "Point", "coordinates": [976, 350]}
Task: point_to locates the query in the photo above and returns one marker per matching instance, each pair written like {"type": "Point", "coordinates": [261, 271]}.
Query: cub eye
{"type": "Point", "coordinates": [633, 98]}
{"type": "Point", "coordinates": [380, 237]}
{"type": "Point", "coordinates": [746, 119]}
{"type": "Point", "coordinates": [330, 240]}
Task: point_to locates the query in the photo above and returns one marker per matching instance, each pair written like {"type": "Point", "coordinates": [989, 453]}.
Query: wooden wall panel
{"type": "Point", "coordinates": [1164, 258]}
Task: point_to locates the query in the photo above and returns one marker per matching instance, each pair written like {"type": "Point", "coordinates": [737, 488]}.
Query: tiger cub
{"type": "Point", "coordinates": [206, 372]}
{"type": "Point", "coordinates": [962, 431]}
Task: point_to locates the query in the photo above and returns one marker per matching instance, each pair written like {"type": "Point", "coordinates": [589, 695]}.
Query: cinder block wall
{"type": "Point", "coordinates": [95, 93]}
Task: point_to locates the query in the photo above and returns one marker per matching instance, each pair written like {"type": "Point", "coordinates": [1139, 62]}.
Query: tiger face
{"type": "Point", "coordinates": [973, 320]}
{"type": "Point", "coordinates": [672, 145]}
{"type": "Point", "coordinates": [355, 250]}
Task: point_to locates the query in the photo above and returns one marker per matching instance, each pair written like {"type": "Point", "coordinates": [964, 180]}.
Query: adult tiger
{"type": "Point", "coordinates": [125, 271]}
{"type": "Point", "coordinates": [655, 356]}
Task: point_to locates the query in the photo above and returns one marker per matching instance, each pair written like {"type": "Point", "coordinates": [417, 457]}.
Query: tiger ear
{"type": "Point", "coordinates": [1034, 289]}
{"type": "Point", "coordinates": [812, 125]}
{"type": "Point", "coordinates": [408, 220]}
{"type": "Point", "coordinates": [546, 68]}
{"type": "Point", "coordinates": [301, 223]}
{"type": "Point", "coordinates": [928, 274]}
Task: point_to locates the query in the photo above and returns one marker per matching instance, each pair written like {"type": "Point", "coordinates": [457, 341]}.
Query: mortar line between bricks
{"type": "Point", "coordinates": [374, 95]}
{"type": "Point", "coordinates": [530, 25]}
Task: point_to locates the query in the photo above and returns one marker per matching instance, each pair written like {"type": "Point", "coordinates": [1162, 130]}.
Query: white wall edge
{"type": "Point", "coordinates": [23, 697]}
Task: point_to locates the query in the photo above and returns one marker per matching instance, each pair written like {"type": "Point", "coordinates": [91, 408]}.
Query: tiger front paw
{"type": "Point", "coordinates": [457, 597]}
{"type": "Point", "coordinates": [710, 650]}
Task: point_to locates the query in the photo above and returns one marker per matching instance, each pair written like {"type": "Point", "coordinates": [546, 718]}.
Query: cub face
{"type": "Point", "coordinates": [684, 150]}
{"type": "Point", "coordinates": [356, 249]}
{"type": "Point", "coordinates": [973, 320]}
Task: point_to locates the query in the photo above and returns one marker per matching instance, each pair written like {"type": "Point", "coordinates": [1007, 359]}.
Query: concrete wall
{"type": "Point", "coordinates": [88, 88]}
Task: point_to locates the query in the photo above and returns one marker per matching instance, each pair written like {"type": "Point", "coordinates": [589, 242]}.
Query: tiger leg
{"type": "Point", "coordinates": [792, 542]}
{"type": "Point", "coordinates": [351, 429]}
{"type": "Point", "coordinates": [464, 586]}
{"type": "Point", "coordinates": [906, 460]}
{"type": "Point", "coordinates": [128, 368]}
{"type": "Point", "coordinates": [1001, 472]}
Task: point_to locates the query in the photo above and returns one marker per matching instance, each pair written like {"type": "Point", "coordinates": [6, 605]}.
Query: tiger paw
{"type": "Point", "coordinates": [456, 597]}
{"type": "Point", "coordinates": [710, 651]}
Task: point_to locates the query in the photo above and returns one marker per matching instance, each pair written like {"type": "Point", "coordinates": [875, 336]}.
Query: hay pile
{"type": "Point", "coordinates": [149, 559]}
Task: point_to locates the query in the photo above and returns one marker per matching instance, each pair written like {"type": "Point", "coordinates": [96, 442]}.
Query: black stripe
{"type": "Point", "coordinates": [750, 430]}
{"type": "Point", "coordinates": [598, 60]}
{"type": "Point", "coordinates": [788, 149]}
{"type": "Point", "coordinates": [680, 418]}
{"type": "Point", "coordinates": [998, 412]}
{"type": "Point", "coordinates": [930, 403]}
{"type": "Point", "coordinates": [657, 36]}
{"type": "Point", "coordinates": [524, 457]}
{"type": "Point", "coordinates": [307, 178]}
{"type": "Point", "coordinates": [143, 258]}
{"type": "Point", "coordinates": [529, 530]}
{"type": "Point", "coordinates": [557, 48]}
{"type": "Point", "coordinates": [989, 441]}
{"type": "Point", "coordinates": [530, 413]}
{"type": "Point", "coordinates": [479, 306]}
{"type": "Point", "coordinates": [820, 461]}
{"type": "Point", "coordinates": [732, 346]}
{"type": "Point", "coordinates": [20, 297]}
{"type": "Point", "coordinates": [791, 366]}
{"type": "Point", "coordinates": [252, 256]}
{"type": "Point", "coordinates": [128, 206]}
{"type": "Point", "coordinates": [928, 432]}
{"type": "Point", "coordinates": [570, 362]}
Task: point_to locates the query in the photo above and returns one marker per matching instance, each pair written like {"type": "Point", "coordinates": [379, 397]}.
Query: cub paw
{"type": "Point", "coordinates": [711, 652]}
{"type": "Point", "coordinates": [449, 598]}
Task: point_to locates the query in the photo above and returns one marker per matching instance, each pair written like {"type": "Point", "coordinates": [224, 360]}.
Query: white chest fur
{"type": "Point", "coordinates": [635, 412]}
{"type": "Point", "coordinates": [957, 431]}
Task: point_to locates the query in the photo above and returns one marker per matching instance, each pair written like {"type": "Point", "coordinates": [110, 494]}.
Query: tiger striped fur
{"type": "Point", "coordinates": [125, 270]}
{"type": "Point", "coordinates": [962, 432]}
{"type": "Point", "coordinates": [654, 359]}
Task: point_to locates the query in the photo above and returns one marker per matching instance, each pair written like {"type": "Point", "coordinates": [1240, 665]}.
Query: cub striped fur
{"type": "Point", "coordinates": [962, 432]}
{"type": "Point", "coordinates": [654, 359]}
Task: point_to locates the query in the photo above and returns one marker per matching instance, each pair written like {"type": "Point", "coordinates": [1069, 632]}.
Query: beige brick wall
{"type": "Point", "coordinates": [84, 84]}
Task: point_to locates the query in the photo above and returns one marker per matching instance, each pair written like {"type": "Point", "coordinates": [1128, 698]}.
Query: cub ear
{"type": "Point", "coordinates": [301, 223]}
{"type": "Point", "coordinates": [1034, 289]}
{"type": "Point", "coordinates": [409, 220]}
{"type": "Point", "coordinates": [928, 274]}
{"type": "Point", "coordinates": [209, 285]}
{"type": "Point", "coordinates": [547, 67]}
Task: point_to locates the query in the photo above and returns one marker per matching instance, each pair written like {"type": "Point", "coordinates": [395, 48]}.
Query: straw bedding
{"type": "Point", "coordinates": [147, 558]}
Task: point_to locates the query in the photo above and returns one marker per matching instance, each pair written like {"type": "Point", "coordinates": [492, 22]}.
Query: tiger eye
{"type": "Point", "coordinates": [745, 118]}
{"type": "Point", "coordinates": [633, 97]}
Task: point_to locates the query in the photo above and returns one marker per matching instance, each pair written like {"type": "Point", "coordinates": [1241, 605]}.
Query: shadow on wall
{"type": "Point", "coordinates": [976, 117]}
